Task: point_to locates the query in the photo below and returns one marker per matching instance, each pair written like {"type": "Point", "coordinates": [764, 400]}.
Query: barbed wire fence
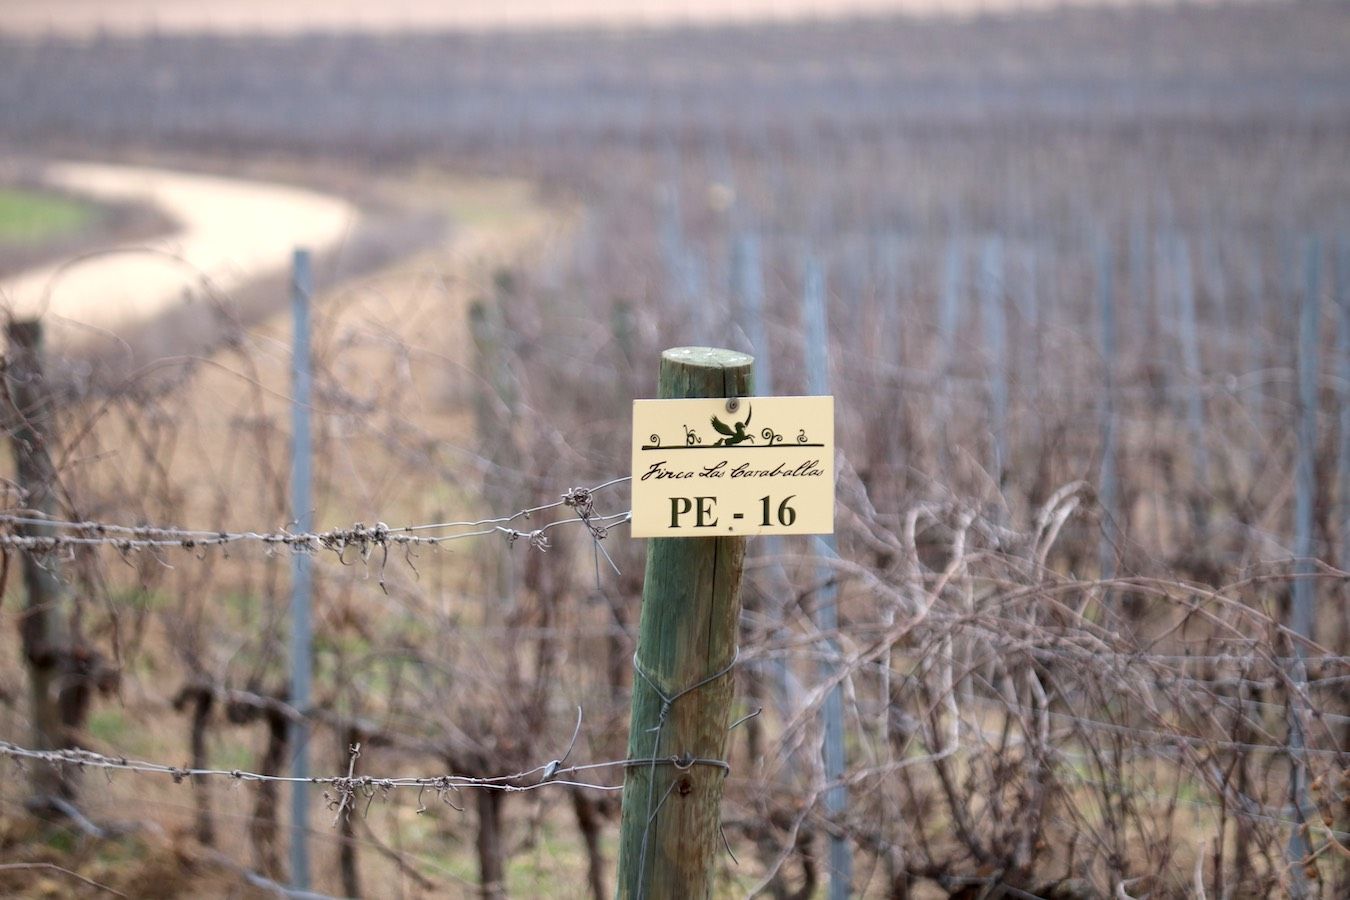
{"type": "Point", "coordinates": [367, 541]}
{"type": "Point", "coordinates": [361, 538]}
{"type": "Point", "coordinates": [344, 791]}
{"type": "Point", "coordinates": [983, 677]}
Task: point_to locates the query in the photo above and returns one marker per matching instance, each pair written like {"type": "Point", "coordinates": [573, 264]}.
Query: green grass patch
{"type": "Point", "coordinates": [108, 726]}
{"type": "Point", "coordinates": [62, 840]}
{"type": "Point", "coordinates": [230, 754]}
{"type": "Point", "coordinates": [28, 216]}
{"type": "Point", "coordinates": [111, 726]}
{"type": "Point", "coordinates": [141, 599]}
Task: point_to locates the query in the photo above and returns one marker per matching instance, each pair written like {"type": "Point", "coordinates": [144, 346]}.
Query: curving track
{"type": "Point", "coordinates": [230, 232]}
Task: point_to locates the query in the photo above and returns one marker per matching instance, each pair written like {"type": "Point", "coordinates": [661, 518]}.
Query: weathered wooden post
{"type": "Point", "coordinates": [495, 397]}
{"type": "Point", "coordinates": [691, 603]}
{"type": "Point", "coordinates": [42, 625]}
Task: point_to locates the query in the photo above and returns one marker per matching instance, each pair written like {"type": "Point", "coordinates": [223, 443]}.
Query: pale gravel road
{"type": "Point", "coordinates": [229, 231]}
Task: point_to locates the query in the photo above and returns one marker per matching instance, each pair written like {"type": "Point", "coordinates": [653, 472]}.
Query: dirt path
{"type": "Point", "coordinates": [229, 232]}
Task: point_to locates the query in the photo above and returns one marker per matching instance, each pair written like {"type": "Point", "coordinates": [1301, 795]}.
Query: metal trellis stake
{"type": "Point", "coordinates": [1303, 608]}
{"type": "Point", "coordinates": [682, 684]}
{"type": "Point", "coordinates": [835, 764]}
{"type": "Point", "coordinates": [748, 287]}
{"type": "Point", "coordinates": [1108, 489]}
{"type": "Point", "coordinates": [302, 287]}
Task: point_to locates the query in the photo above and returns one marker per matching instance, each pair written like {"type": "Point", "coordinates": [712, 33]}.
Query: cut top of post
{"type": "Point", "coordinates": [713, 357]}
{"type": "Point", "coordinates": [704, 372]}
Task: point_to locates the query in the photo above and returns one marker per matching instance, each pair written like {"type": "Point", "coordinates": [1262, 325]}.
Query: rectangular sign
{"type": "Point", "coordinates": [758, 465]}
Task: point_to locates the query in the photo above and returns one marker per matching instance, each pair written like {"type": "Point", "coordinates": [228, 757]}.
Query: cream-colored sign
{"type": "Point", "coordinates": [758, 465]}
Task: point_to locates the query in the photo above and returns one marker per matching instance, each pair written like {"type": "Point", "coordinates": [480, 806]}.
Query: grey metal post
{"type": "Point", "coordinates": [996, 339]}
{"type": "Point", "coordinates": [302, 287]}
{"type": "Point", "coordinates": [1106, 489]}
{"type": "Point", "coordinates": [1140, 284]}
{"type": "Point", "coordinates": [895, 273]}
{"type": "Point", "coordinates": [1302, 616]}
{"type": "Point", "coordinates": [948, 318]}
{"type": "Point", "coordinates": [1195, 397]}
{"type": "Point", "coordinates": [1162, 315]}
{"type": "Point", "coordinates": [1343, 396]}
{"type": "Point", "coordinates": [1030, 311]}
{"type": "Point", "coordinates": [1304, 472]}
{"type": "Point", "coordinates": [1216, 285]}
{"type": "Point", "coordinates": [1255, 327]}
{"type": "Point", "coordinates": [748, 288]}
{"type": "Point", "coordinates": [827, 611]}
{"type": "Point", "coordinates": [673, 249]}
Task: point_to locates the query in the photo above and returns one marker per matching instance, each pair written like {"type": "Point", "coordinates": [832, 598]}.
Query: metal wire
{"type": "Point", "coordinates": [543, 775]}
{"type": "Point", "coordinates": [361, 537]}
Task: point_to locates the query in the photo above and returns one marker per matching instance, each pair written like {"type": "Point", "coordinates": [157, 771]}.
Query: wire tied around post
{"type": "Point", "coordinates": [685, 761]}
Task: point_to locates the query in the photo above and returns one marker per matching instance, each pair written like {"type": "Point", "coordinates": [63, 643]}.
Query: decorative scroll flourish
{"type": "Point", "coordinates": [733, 434]}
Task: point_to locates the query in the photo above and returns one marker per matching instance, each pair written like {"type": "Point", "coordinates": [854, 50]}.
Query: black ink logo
{"type": "Point", "coordinates": [737, 434]}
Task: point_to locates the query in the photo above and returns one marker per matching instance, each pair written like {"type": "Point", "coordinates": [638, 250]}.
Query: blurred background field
{"type": "Point", "coordinates": [82, 17]}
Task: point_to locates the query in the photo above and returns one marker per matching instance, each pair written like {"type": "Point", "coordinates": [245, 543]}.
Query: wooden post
{"type": "Point", "coordinates": [42, 625]}
{"type": "Point", "coordinates": [495, 404]}
{"type": "Point", "coordinates": [691, 603]}
{"type": "Point", "coordinates": [349, 751]}
{"type": "Point", "coordinates": [495, 397]}
{"type": "Point", "coordinates": [197, 698]}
